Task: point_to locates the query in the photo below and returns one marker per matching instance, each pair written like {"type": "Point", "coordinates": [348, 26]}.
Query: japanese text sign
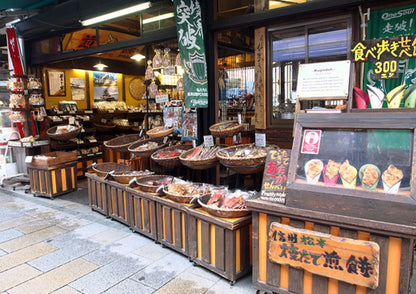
{"type": "Point", "coordinates": [384, 49]}
{"type": "Point", "coordinates": [344, 259]}
{"type": "Point", "coordinates": [311, 141]}
{"type": "Point", "coordinates": [192, 52]}
{"type": "Point", "coordinates": [275, 175]}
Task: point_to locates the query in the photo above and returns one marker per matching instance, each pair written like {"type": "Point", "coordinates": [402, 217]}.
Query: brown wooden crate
{"type": "Point", "coordinates": [142, 213]}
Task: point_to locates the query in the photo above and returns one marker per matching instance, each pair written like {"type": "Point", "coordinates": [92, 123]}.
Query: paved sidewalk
{"type": "Point", "coordinates": [62, 246]}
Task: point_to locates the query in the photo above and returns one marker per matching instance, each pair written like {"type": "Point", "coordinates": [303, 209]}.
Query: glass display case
{"type": "Point", "coordinates": [355, 165]}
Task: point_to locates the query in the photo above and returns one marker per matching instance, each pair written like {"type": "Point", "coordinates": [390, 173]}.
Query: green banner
{"type": "Point", "coordinates": [192, 51]}
{"type": "Point", "coordinates": [389, 23]}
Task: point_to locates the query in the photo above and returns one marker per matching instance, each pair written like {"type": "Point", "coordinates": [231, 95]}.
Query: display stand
{"type": "Point", "coordinates": [222, 245]}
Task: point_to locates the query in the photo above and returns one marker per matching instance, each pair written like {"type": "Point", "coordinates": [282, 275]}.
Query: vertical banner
{"type": "Point", "coordinates": [192, 52]}
{"type": "Point", "coordinates": [13, 48]}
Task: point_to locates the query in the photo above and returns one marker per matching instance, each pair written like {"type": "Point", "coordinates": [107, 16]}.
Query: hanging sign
{"type": "Point", "coordinates": [14, 52]}
{"type": "Point", "coordinates": [349, 260]}
{"type": "Point", "coordinates": [275, 176]}
{"type": "Point", "coordinates": [311, 141]}
{"type": "Point", "coordinates": [192, 52]}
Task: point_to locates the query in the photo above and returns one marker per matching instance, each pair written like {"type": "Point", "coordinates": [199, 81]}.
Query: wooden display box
{"type": "Point", "coordinates": [395, 258]}
{"type": "Point", "coordinates": [172, 224]}
{"type": "Point", "coordinates": [142, 211]}
{"type": "Point", "coordinates": [53, 158]}
{"type": "Point", "coordinates": [221, 245]}
{"type": "Point", "coordinates": [52, 181]}
{"type": "Point", "coordinates": [97, 193]}
{"type": "Point", "coordinates": [118, 202]}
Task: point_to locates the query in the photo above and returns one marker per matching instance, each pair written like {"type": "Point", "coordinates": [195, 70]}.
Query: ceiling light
{"type": "Point", "coordinates": [100, 66]}
{"type": "Point", "coordinates": [137, 57]}
{"type": "Point", "coordinates": [116, 14]}
{"type": "Point", "coordinates": [159, 17]}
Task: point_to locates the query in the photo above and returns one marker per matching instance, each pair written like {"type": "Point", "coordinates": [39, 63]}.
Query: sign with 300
{"type": "Point", "coordinates": [386, 70]}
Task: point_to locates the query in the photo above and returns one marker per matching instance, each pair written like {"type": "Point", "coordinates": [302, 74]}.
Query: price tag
{"type": "Point", "coordinates": [110, 111]}
{"type": "Point", "coordinates": [71, 120]}
{"type": "Point", "coordinates": [103, 120]}
{"type": "Point", "coordinates": [88, 111]}
{"type": "Point", "coordinates": [93, 141]}
{"type": "Point", "coordinates": [28, 159]}
{"type": "Point", "coordinates": [209, 141]}
{"type": "Point", "coordinates": [165, 140]}
{"type": "Point", "coordinates": [239, 118]}
{"type": "Point", "coordinates": [260, 140]}
{"type": "Point", "coordinates": [194, 143]}
{"type": "Point", "coordinates": [162, 98]}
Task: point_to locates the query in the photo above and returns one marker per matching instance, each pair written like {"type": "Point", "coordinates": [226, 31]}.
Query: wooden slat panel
{"type": "Point", "coordinates": [342, 286]}
{"type": "Point", "coordinates": [405, 265]}
{"type": "Point", "coordinates": [273, 269]}
{"type": "Point", "coordinates": [383, 242]}
{"type": "Point", "coordinates": [177, 222]}
{"type": "Point", "coordinates": [120, 205]}
{"type": "Point", "coordinates": [219, 248]}
{"type": "Point", "coordinates": [58, 174]}
{"type": "Point", "coordinates": [320, 283]}
{"type": "Point", "coordinates": [192, 237]}
{"type": "Point", "coordinates": [68, 177]}
{"type": "Point", "coordinates": [42, 180]}
{"type": "Point", "coordinates": [229, 247]}
{"type": "Point", "coordinates": [296, 275]}
{"type": "Point", "coordinates": [99, 195]}
{"type": "Point", "coordinates": [168, 224]}
{"type": "Point", "coordinates": [245, 248]}
{"type": "Point", "coordinates": [146, 215]}
{"type": "Point", "coordinates": [206, 242]}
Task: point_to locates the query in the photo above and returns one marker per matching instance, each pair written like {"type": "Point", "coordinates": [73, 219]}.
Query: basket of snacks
{"type": "Point", "coordinates": [102, 169]}
{"type": "Point", "coordinates": [145, 147]}
{"type": "Point", "coordinates": [169, 157]}
{"type": "Point", "coordinates": [124, 177]}
{"type": "Point", "coordinates": [121, 143]}
{"type": "Point", "coordinates": [104, 128]}
{"type": "Point", "coordinates": [245, 158]}
{"type": "Point", "coordinates": [200, 157]}
{"type": "Point", "coordinates": [153, 183]}
{"type": "Point", "coordinates": [63, 132]}
{"type": "Point", "coordinates": [225, 203]}
{"type": "Point", "coordinates": [159, 132]}
{"type": "Point", "coordinates": [226, 128]}
{"type": "Point", "coordinates": [183, 191]}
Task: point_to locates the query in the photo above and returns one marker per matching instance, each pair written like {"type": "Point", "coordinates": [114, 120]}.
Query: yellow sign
{"type": "Point", "coordinates": [343, 259]}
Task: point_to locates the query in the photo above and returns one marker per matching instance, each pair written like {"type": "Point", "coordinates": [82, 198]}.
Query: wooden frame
{"type": "Point", "coordinates": [56, 82]}
{"type": "Point", "coordinates": [355, 203]}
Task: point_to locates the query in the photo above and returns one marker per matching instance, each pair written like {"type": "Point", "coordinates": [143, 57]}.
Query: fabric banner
{"type": "Point", "coordinates": [192, 52]}
{"type": "Point", "coordinates": [389, 23]}
{"type": "Point", "coordinates": [13, 48]}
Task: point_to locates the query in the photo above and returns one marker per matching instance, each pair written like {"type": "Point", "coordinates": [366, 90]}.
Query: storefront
{"type": "Point", "coordinates": [319, 76]}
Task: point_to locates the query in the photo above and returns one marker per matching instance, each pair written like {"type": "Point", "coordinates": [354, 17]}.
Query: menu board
{"type": "Point", "coordinates": [275, 175]}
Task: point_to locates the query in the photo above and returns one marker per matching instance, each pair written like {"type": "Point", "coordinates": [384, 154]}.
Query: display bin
{"type": "Point", "coordinates": [172, 224]}
{"type": "Point", "coordinates": [53, 175]}
{"type": "Point", "coordinates": [118, 202]}
{"type": "Point", "coordinates": [97, 193]}
{"type": "Point", "coordinates": [349, 206]}
{"type": "Point", "coordinates": [221, 245]}
{"type": "Point", "coordinates": [142, 213]}
{"type": "Point", "coordinates": [395, 259]}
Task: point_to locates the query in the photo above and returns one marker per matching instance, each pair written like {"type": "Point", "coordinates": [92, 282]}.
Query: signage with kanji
{"type": "Point", "coordinates": [275, 175]}
{"type": "Point", "coordinates": [344, 259]}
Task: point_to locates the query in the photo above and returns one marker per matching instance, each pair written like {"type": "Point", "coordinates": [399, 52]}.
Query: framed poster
{"type": "Point", "coordinates": [78, 88]}
{"type": "Point", "coordinates": [56, 82]}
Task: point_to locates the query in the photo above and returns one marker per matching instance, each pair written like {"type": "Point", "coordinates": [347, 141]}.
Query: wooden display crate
{"type": "Point", "coordinates": [118, 202]}
{"type": "Point", "coordinates": [222, 245]}
{"type": "Point", "coordinates": [172, 224]}
{"type": "Point", "coordinates": [97, 195]}
{"type": "Point", "coordinates": [142, 211]}
{"type": "Point", "coordinates": [51, 181]}
{"type": "Point", "coordinates": [395, 256]}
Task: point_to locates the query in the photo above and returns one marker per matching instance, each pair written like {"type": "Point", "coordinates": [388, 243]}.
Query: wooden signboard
{"type": "Point", "coordinates": [275, 176]}
{"type": "Point", "coordinates": [352, 261]}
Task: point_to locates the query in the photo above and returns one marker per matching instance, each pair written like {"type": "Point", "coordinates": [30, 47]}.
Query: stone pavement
{"type": "Point", "coordinates": [62, 246]}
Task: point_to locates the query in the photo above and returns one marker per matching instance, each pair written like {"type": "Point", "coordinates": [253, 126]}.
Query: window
{"type": "Point", "coordinates": [292, 46]}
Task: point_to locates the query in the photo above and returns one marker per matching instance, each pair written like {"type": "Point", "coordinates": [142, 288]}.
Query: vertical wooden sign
{"type": "Point", "coordinates": [260, 77]}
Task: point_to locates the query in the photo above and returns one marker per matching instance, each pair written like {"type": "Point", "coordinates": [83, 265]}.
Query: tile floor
{"type": "Point", "coordinates": [62, 246]}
